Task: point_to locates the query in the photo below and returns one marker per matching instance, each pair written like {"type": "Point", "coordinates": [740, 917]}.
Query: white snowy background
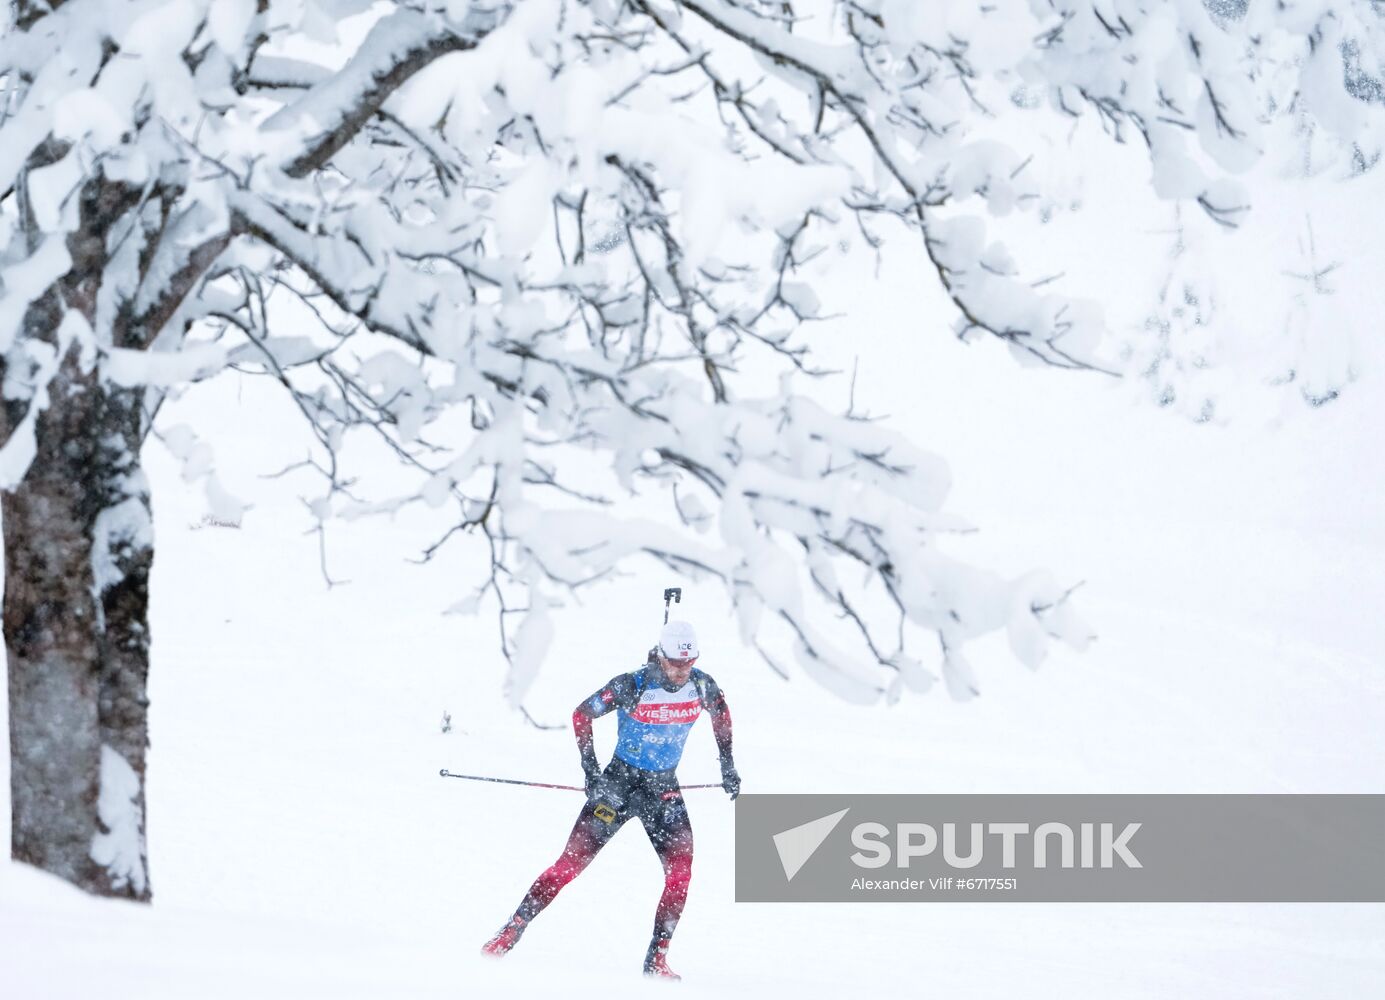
{"type": "Point", "coordinates": [303, 845]}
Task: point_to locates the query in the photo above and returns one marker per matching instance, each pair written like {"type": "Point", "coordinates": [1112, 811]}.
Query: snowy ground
{"type": "Point", "coordinates": [303, 845]}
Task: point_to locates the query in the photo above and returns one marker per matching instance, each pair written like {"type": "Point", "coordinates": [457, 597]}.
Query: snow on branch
{"type": "Point", "coordinates": [400, 44]}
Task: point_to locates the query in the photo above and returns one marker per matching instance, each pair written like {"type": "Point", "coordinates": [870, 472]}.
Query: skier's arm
{"type": "Point", "coordinates": [721, 731]}
{"type": "Point", "coordinates": [594, 707]}
{"type": "Point", "coordinates": [586, 746]}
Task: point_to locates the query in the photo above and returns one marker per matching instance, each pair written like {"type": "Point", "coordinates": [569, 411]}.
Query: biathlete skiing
{"type": "Point", "coordinates": [656, 708]}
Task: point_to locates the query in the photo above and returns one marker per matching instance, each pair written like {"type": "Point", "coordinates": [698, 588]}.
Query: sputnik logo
{"type": "Point", "coordinates": [797, 845]}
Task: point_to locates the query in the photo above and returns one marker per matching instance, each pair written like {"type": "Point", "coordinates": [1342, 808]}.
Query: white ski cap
{"type": "Point", "coordinates": [678, 641]}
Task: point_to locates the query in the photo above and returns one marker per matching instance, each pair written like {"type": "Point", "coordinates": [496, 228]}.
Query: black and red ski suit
{"type": "Point", "coordinates": [640, 781]}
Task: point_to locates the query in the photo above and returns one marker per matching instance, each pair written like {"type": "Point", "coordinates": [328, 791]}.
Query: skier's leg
{"type": "Point", "coordinates": [596, 824]}
{"type": "Point", "coordinates": [589, 834]}
{"type": "Point", "coordinates": [665, 819]}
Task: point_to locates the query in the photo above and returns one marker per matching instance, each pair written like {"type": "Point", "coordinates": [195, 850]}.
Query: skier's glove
{"type": "Point", "coordinates": [730, 781]}
{"type": "Point", "coordinates": [593, 776]}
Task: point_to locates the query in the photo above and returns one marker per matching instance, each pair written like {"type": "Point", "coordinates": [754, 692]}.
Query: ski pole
{"type": "Point", "coordinates": [445, 773]}
{"type": "Point", "coordinates": [510, 781]}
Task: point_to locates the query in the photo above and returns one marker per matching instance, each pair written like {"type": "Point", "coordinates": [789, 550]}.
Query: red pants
{"type": "Point", "coordinates": [623, 792]}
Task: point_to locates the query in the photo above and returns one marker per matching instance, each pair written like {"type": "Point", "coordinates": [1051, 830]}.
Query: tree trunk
{"type": "Point", "coordinates": [78, 550]}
